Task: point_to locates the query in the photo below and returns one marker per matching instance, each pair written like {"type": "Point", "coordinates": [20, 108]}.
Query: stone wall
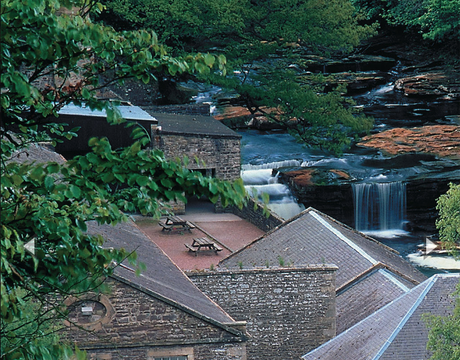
{"type": "Point", "coordinates": [217, 156]}
{"type": "Point", "coordinates": [254, 213]}
{"type": "Point", "coordinates": [220, 155]}
{"type": "Point", "coordinates": [289, 311]}
{"type": "Point", "coordinates": [141, 326]}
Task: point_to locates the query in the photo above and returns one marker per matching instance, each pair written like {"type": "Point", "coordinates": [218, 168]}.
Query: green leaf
{"type": "Point", "coordinates": [49, 182]}
{"type": "Point", "coordinates": [209, 60]}
{"type": "Point", "coordinates": [75, 190]}
{"type": "Point", "coordinates": [81, 225]}
{"type": "Point", "coordinates": [142, 180]}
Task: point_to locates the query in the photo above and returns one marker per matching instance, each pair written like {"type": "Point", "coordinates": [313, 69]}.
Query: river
{"type": "Point", "coordinates": [378, 186]}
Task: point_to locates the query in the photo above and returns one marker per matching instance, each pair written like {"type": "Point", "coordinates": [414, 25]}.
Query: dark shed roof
{"type": "Point", "coordinates": [396, 331]}
{"type": "Point", "coordinates": [192, 125]}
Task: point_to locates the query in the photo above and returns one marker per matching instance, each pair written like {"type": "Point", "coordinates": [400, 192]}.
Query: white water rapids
{"type": "Point", "coordinates": [259, 179]}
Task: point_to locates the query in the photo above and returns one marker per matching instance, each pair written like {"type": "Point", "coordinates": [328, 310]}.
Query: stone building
{"type": "Point", "coordinates": [369, 274]}
{"type": "Point", "coordinates": [287, 309]}
{"type": "Point", "coordinates": [211, 147]}
{"type": "Point", "coordinates": [160, 314]}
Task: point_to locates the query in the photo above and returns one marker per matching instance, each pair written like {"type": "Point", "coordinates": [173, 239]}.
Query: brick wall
{"type": "Point", "coordinates": [142, 326]}
{"type": "Point", "coordinates": [289, 311]}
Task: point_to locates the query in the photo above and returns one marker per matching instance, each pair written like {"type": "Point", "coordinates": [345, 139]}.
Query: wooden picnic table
{"type": "Point", "coordinates": [176, 222]}
{"type": "Point", "coordinates": [200, 244]}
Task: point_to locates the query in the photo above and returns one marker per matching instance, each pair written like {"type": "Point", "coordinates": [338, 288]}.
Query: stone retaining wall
{"type": "Point", "coordinates": [254, 213]}
{"type": "Point", "coordinates": [289, 311]}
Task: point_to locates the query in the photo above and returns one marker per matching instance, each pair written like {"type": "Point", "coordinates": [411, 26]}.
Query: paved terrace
{"type": "Point", "coordinates": [227, 230]}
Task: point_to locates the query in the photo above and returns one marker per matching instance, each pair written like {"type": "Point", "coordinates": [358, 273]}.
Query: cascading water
{"type": "Point", "coordinates": [260, 179]}
{"type": "Point", "coordinates": [380, 206]}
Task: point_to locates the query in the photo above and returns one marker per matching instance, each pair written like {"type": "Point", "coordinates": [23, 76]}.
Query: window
{"type": "Point", "coordinates": [178, 353]}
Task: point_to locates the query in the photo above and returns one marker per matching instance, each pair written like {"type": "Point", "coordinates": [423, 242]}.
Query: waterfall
{"type": "Point", "coordinates": [260, 179]}
{"type": "Point", "coordinates": [379, 206]}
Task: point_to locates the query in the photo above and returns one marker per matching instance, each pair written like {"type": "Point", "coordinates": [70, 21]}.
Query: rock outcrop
{"type": "Point", "coordinates": [440, 140]}
{"type": "Point", "coordinates": [437, 84]}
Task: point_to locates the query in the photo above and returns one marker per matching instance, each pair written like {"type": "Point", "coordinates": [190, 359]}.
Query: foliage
{"type": "Point", "coordinates": [52, 56]}
{"type": "Point", "coordinates": [35, 322]}
{"type": "Point", "coordinates": [448, 222]}
{"type": "Point", "coordinates": [221, 22]}
{"type": "Point", "coordinates": [437, 20]}
{"type": "Point", "coordinates": [262, 40]}
{"type": "Point", "coordinates": [444, 334]}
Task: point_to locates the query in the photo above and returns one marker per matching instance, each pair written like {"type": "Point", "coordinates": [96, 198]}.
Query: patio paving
{"type": "Point", "coordinates": [227, 230]}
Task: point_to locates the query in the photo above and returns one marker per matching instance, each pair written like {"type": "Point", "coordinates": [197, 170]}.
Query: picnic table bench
{"type": "Point", "coordinates": [176, 222]}
{"type": "Point", "coordinates": [200, 244]}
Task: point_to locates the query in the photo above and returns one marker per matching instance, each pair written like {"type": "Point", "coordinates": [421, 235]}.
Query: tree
{"type": "Point", "coordinates": [52, 56]}
{"type": "Point", "coordinates": [436, 20]}
{"type": "Point", "coordinates": [448, 222]}
{"type": "Point", "coordinates": [444, 333]}
{"type": "Point", "coordinates": [263, 41]}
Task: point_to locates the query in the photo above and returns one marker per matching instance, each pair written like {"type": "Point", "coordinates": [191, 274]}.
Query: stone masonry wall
{"type": "Point", "coordinates": [218, 157]}
{"type": "Point", "coordinates": [254, 213]}
{"type": "Point", "coordinates": [219, 153]}
{"type": "Point", "coordinates": [141, 327]}
{"type": "Point", "coordinates": [289, 311]}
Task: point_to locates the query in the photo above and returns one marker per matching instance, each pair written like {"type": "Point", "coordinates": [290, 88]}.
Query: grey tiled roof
{"type": "Point", "coordinates": [315, 238]}
{"type": "Point", "coordinates": [162, 278]}
{"type": "Point", "coordinates": [192, 124]}
{"type": "Point", "coordinates": [396, 331]}
{"type": "Point", "coordinates": [377, 288]}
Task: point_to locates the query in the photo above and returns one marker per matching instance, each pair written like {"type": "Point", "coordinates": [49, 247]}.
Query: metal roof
{"type": "Point", "coordinates": [127, 112]}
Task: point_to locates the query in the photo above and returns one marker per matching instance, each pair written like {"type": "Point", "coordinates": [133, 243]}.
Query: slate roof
{"type": "Point", "coordinates": [315, 238]}
{"type": "Point", "coordinates": [162, 278]}
{"type": "Point", "coordinates": [378, 288]}
{"type": "Point", "coordinates": [40, 153]}
{"type": "Point", "coordinates": [192, 125]}
{"type": "Point", "coordinates": [369, 275]}
{"type": "Point", "coordinates": [396, 331]}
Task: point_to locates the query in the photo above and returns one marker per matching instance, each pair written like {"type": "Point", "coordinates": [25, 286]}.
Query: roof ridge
{"type": "Point", "coordinates": [348, 241]}
{"type": "Point", "coordinates": [357, 232]}
{"type": "Point", "coordinates": [260, 238]}
{"type": "Point", "coordinates": [351, 329]}
{"type": "Point", "coordinates": [430, 282]}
